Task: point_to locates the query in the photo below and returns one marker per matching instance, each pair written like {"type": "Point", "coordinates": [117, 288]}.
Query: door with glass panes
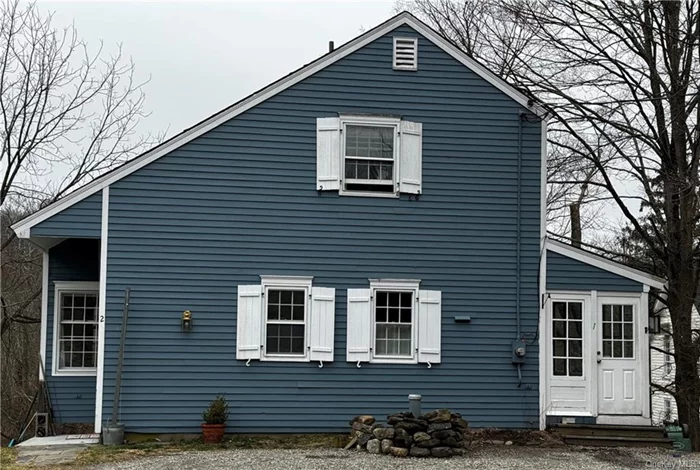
{"type": "Point", "coordinates": [618, 356]}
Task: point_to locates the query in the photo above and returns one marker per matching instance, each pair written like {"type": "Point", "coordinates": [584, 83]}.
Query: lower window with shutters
{"type": "Point", "coordinates": [394, 322]}
{"type": "Point", "coordinates": [285, 318]}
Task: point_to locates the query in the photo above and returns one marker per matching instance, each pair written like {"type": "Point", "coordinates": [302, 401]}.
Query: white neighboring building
{"type": "Point", "coordinates": [663, 370]}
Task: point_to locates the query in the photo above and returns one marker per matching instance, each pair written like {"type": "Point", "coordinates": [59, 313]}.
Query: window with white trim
{"type": "Point", "coordinates": [668, 361]}
{"type": "Point", "coordinates": [285, 323]}
{"type": "Point", "coordinates": [369, 155]}
{"type": "Point", "coordinates": [75, 328]}
{"type": "Point", "coordinates": [394, 322]}
{"type": "Point", "coordinates": [284, 318]}
{"type": "Point", "coordinates": [567, 338]}
{"type": "Point", "coordinates": [668, 410]}
{"type": "Point", "coordinates": [369, 158]}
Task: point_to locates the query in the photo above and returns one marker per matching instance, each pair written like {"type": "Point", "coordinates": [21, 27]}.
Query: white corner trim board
{"type": "Point", "coordinates": [102, 311]}
{"type": "Point", "coordinates": [23, 227]}
{"type": "Point", "coordinates": [44, 312]}
{"type": "Point", "coordinates": [605, 264]}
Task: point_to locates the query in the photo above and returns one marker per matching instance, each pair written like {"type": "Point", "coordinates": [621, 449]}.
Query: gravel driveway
{"type": "Point", "coordinates": [486, 458]}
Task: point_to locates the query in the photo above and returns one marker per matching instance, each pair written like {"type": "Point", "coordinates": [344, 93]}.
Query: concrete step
{"type": "Point", "coordinates": [619, 441]}
{"type": "Point", "coordinates": [609, 430]}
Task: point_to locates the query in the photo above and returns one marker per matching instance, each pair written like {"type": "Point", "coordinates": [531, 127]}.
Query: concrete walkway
{"type": "Point", "coordinates": [54, 450]}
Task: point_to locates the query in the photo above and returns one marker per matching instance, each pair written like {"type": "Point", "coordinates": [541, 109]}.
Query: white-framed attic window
{"type": "Point", "coordinates": [285, 319]}
{"type": "Point", "coordinates": [75, 328]}
{"type": "Point", "coordinates": [405, 54]}
{"type": "Point", "coordinates": [361, 155]}
{"type": "Point", "coordinates": [394, 322]}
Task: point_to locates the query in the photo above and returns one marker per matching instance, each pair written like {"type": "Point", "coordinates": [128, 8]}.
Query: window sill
{"type": "Point", "coordinates": [343, 192]}
{"type": "Point", "coordinates": [285, 358]}
{"type": "Point", "coordinates": [394, 360]}
{"type": "Point", "coordinates": [75, 373]}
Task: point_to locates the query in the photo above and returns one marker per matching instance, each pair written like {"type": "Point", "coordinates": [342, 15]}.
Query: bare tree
{"type": "Point", "coordinates": [68, 113]}
{"type": "Point", "coordinates": [625, 74]}
{"type": "Point", "coordinates": [488, 32]}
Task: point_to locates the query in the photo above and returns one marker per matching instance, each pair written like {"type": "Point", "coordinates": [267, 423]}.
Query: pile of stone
{"type": "Point", "coordinates": [438, 433]}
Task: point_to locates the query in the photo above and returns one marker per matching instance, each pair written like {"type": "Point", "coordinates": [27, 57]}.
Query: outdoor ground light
{"type": "Point", "coordinates": [186, 320]}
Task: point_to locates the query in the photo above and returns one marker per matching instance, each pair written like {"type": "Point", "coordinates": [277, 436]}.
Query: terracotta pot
{"type": "Point", "coordinates": [213, 433]}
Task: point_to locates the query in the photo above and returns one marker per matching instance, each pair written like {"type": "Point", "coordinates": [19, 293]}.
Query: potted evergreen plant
{"type": "Point", "coordinates": [215, 417]}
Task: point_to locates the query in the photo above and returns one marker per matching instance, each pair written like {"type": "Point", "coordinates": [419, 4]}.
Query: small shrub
{"type": "Point", "coordinates": [217, 413]}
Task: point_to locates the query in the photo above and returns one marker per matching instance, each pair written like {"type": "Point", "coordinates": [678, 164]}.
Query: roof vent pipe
{"type": "Point", "coordinates": [331, 46]}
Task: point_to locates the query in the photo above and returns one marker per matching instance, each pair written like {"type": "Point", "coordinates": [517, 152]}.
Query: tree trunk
{"type": "Point", "coordinates": [687, 382]}
{"type": "Point", "coordinates": [575, 214]}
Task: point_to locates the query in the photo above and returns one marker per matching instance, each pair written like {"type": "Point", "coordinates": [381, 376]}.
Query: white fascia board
{"type": "Point", "coordinates": [605, 264]}
{"type": "Point", "coordinates": [22, 228]}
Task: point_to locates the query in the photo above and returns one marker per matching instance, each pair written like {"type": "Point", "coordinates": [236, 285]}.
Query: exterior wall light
{"type": "Point", "coordinates": [186, 320]}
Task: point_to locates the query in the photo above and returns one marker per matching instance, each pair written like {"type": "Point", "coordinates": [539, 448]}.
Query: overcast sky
{"type": "Point", "coordinates": [201, 57]}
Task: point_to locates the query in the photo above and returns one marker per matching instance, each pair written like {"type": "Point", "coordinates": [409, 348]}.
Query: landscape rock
{"type": "Point", "coordinates": [419, 452]}
{"type": "Point", "coordinates": [421, 436]}
{"type": "Point", "coordinates": [410, 427]}
{"type": "Point", "coordinates": [362, 427]}
{"type": "Point", "coordinates": [438, 416]}
{"type": "Point", "coordinates": [441, 452]}
{"type": "Point", "coordinates": [386, 445]}
{"type": "Point", "coordinates": [363, 439]}
{"type": "Point", "coordinates": [384, 433]}
{"type": "Point", "coordinates": [509, 443]}
{"type": "Point", "coordinates": [398, 417]}
{"type": "Point", "coordinates": [398, 452]}
{"type": "Point", "coordinates": [439, 427]}
{"type": "Point", "coordinates": [428, 443]}
{"type": "Point", "coordinates": [439, 433]}
{"type": "Point", "coordinates": [363, 419]}
{"type": "Point", "coordinates": [444, 434]}
{"type": "Point", "coordinates": [460, 423]}
{"type": "Point", "coordinates": [452, 442]}
{"type": "Point", "coordinates": [374, 446]}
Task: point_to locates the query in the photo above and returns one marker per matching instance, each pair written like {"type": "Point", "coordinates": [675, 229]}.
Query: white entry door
{"type": "Point", "coordinates": [619, 356]}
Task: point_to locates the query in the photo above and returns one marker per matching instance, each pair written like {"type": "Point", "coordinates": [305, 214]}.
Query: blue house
{"type": "Point", "coordinates": [369, 226]}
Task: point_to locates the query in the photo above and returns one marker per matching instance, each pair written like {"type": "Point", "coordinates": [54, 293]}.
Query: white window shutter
{"type": "Point", "coordinates": [429, 323]}
{"type": "Point", "coordinates": [411, 155]}
{"type": "Point", "coordinates": [249, 322]}
{"type": "Point", "coordinates": [359, 325]}
{"type": "Point", "coordinates": [328, 154]}
{"type": "Point", "coordinates": [322, 323]}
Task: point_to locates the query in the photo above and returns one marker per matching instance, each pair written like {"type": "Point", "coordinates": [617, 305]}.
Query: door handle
{"type": "Point", "coordinates": [598, 358]}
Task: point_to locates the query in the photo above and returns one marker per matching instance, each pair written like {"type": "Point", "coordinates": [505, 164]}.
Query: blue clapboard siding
{"type": "Point", "coordinates": [241, 201]}
{"type": "Point", "coordinates": [564, 273]}
{"type": "Point", "coordinates": [81, 220]}
{"type": "Point", "coordinates": [72, 398]}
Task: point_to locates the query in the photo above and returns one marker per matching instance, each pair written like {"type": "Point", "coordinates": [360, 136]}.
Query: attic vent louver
{"type": "Point", "coordinates": [405, 54]}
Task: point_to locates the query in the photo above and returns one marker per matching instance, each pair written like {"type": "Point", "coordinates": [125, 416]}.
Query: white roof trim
{"type": "Point", "coordinates": [605, 264]}
{"type": "Point", "coordinates": [22, 228]}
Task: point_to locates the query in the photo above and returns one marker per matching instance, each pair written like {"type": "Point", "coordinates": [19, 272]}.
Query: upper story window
{"type": "Point", "coordinates": [75, 328]}
{"type": "Point", "coordinates": [369, 156]}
